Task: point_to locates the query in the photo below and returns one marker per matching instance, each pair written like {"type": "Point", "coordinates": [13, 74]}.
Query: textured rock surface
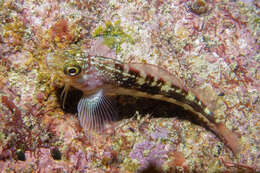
{"type": "Point", "coordinates": [213, 46]}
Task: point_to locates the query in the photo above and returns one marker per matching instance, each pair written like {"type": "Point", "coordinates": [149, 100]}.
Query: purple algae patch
{"type": "Point", "coordinates": [159, 133]}
{"type": "Point", "coordinates": [148, 153]}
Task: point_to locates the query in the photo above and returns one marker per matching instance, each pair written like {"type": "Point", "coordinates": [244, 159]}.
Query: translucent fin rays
{"type": "Point", "coordinates": [95, 111]}
{"type": "Point", "coordinates": [64, 94]}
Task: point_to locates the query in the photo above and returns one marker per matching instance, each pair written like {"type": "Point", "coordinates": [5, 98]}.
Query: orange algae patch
{"type": "Point", "coordinates": [60, 31]}
{"type": "Point", "coordinates": [179, 158]}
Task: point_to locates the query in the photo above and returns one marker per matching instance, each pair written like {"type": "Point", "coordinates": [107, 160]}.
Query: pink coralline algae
{"type": "Point", "coordinates": [149, 153]}
{"type": "Point", "coordinates": [159, 133]}
{"type": "Point", "coordinates": [212, 46]}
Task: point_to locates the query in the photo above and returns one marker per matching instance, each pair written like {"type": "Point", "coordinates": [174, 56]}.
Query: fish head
{"type": "Point", "coordinates": [65, 64]}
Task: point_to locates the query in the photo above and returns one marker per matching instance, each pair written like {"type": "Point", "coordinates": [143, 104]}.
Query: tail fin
{"type": "Point", "coordinates": [231, 139]}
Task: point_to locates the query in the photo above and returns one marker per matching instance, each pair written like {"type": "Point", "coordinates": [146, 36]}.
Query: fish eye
{"type": "Point", "coordinates": [72, 70]}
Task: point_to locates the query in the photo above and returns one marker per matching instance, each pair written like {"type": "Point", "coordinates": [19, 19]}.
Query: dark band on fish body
{"type": "Point", "coordinates": [123, 80]}
{"type": "Point", "coordinates": [133, 72]}
{"type": "Point", "coordinates": [131, 81]}
{"type": "Point", "coordinates": [119, 67]}
{"type": "Point", "coordinates": [132, 78]}
{"type": "Point", "coordinates": [174, 95]}
{"type": "Point", "coordinates": [146, 87]}
{"type": "Point", "coordinates": [149, 79]}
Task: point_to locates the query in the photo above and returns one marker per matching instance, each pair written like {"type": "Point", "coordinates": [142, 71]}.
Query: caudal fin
{"type": "Point", "coordinates": [231, 139]}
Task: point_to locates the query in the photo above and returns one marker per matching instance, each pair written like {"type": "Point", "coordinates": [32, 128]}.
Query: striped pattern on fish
{"type": "Point", "coordinates": [99, 77]}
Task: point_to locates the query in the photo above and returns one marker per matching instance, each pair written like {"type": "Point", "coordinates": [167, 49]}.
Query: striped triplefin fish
{"type": "Point", "coordinates": [101, 77]}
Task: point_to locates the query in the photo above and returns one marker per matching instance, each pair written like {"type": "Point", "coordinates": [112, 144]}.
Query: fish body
{"type": "Point", "coordinates": [100, 77]}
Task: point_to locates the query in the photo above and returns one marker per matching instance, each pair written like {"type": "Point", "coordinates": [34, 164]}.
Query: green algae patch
{"type": "Point", "coordinates": [113, 35]}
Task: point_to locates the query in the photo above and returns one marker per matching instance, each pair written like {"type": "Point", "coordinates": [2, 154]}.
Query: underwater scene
{"type": "Point", "coordinates": [130, 86]}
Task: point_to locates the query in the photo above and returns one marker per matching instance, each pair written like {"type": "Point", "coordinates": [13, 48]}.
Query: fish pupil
{"type": "Point", "coordinates": [72, 71]}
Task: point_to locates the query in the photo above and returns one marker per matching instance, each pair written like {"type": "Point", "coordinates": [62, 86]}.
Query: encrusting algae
{"type": "Point", "coordinates": [204, 56]}
{"type": "Point", "coordinates": [113, 35]}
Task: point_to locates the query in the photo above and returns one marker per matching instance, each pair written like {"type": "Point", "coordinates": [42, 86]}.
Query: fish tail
{"type": "Point", "coordinates": [230, 138]}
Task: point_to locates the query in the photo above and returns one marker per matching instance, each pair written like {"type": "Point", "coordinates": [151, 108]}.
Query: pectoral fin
{"type": "Point", "coordinates": [95, 111]}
